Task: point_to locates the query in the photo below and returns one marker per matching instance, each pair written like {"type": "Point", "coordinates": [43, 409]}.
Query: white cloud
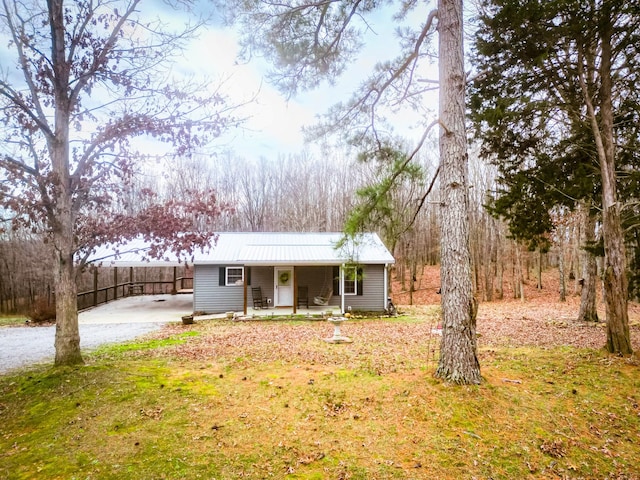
{"type": "Point", "coordinates": [274, 123]}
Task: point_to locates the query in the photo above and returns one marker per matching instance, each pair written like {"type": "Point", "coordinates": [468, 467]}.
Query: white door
{"type": "Point", "coordinates": [283, 287]}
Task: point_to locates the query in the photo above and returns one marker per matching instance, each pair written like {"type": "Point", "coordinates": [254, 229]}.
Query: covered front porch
{"type": "Point", "coordinates": [274, 290]}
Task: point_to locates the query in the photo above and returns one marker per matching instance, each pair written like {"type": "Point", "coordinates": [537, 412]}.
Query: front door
{"type": "Point", "coordinates": [283, 287]}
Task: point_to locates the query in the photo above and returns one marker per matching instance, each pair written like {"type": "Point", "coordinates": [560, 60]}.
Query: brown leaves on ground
{"type": "Point", "coordinates": [154, 413]}
{"type": "Point", "coordinates": [554, 448]}
{"type": "Point", "coordinates": [389, 345]}
{"type": "Point", "coordinates": [542, 320]}
{"type": "Point", "coordinates": [380, 346]}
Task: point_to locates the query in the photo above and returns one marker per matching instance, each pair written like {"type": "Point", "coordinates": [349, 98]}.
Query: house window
{"type": "Point", "coordinates": [350, 281]}
{"type": "Point", "coordinates": [235, 276]}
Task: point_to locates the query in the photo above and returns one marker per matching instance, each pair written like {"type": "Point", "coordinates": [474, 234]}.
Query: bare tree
{"type": "Point", "coordinates": [88, 93]}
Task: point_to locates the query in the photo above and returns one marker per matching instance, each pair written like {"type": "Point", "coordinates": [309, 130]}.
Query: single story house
{"type": "Point", "coordinates": [285, 271]}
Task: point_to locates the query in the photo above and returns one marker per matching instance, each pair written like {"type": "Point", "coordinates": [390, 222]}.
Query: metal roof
{"type": "Point", "coordinates": [258, 249]}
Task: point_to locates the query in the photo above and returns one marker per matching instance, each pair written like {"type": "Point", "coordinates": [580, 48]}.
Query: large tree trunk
{"type": "Point", "coordinates": [615, 276]}
{"type": "Point", "coordinates": [61, 211]}
{"type": "Point", "coordinates": [458, 361]}
{"type": "Point", "coordinates": [615, 283]}
{"type": "Point", "coordinates": [589, 281]}
{"type": "Point", "coordinates": [67, 340]}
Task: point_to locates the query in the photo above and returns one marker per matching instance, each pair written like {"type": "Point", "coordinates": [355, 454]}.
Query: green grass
{"type": "Point", "coordinates": [11, 320]}
{"type": "Point", "coordinates": [163, 409]}
{"type": "Point", "coordinates": [177, 339]}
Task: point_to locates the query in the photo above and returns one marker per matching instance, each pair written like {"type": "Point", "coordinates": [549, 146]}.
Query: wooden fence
{"type": "Point", "coordinates": [103, 285]}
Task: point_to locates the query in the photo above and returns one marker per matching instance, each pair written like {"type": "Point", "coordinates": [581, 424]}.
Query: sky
{"type": "Point", "coordinates": [274, 124]}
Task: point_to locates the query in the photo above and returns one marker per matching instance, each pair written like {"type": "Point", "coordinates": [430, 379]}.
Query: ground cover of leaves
{"type": "Point", "coordinates": [539, 321]}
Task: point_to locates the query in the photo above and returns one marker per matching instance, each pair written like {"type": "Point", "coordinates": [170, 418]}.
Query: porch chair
{"type": "Point", "coordinates": [303, 296]}
{"type": "Point", "coordinates": [258, 300]}
{"type": "Point", "coordinates": [324, 297]}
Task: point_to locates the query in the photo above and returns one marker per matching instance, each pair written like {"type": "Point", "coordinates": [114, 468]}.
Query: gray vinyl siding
{"type": "Point", "coordinates": [373, 296]}
{"type": "Point", "coordinates": [209, 297]}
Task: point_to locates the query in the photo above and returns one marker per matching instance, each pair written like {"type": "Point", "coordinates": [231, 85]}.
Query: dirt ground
{"type": "Point", "coordinates": [540, 320]}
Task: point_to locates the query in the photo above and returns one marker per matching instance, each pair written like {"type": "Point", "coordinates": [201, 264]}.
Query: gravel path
{"type": "Point", "coordinates": [21, 346]}
{"type": "Point", "coordinates": [115, 322]}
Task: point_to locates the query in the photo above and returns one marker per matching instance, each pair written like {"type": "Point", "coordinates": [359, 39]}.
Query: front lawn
{"type": "Point", "coordinates": [263, 399]}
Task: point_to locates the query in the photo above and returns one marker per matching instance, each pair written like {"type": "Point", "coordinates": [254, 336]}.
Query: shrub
{"type": "Point", "coordinates": [42, 311]}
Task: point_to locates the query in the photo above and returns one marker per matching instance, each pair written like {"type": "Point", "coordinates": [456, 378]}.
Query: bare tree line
{"type": "Point", "coordinates": [308, 193]}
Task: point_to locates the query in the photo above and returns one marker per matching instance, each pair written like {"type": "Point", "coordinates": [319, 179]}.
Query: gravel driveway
{"type": "Point", "coordinates": [114, 322]}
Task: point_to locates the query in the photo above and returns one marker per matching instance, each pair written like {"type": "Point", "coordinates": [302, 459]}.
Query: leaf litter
{"type": "Point", "coordinates": [381, 344]}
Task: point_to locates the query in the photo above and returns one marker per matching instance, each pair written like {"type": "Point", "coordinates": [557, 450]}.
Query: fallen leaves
{"type": "Point", "coordinates": [542, 320]}
{"type": "Point", "coordinates": [383, 345]}
{"type": "Point", "coordinates": [154, 413]}
{"type": "Point", "coordinates": [554, 448]}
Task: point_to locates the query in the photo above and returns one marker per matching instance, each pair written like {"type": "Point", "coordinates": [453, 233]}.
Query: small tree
{"type": "Point", "coordinates": [92, 86]}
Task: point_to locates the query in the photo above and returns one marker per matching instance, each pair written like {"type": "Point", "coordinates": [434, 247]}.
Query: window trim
{"type": "Point", "coordinates": [236, 283]}
{"type": "Point", "coordinates": [355, 280]}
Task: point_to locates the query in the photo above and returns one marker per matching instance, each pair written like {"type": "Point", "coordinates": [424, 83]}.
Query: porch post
{"type": "Point", "coordinates": [342, 288]}
{"type": "Point", "coordinates": [295, 291]}
{"type": "Point", "coordinates": [245, 290]}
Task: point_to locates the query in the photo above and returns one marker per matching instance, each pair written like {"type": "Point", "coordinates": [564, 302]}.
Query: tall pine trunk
{"type": "Point", "coordinates": [458, 361]}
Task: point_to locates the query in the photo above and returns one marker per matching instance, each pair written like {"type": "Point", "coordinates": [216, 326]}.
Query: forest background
{"type": "Point", "coordinates": [313, 191]}
{"type": "Point", "coordinates": [307, 193]}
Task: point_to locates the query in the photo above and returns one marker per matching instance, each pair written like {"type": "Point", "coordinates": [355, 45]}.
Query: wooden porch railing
{"type": "Point", "coordinates": [97, 296]}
